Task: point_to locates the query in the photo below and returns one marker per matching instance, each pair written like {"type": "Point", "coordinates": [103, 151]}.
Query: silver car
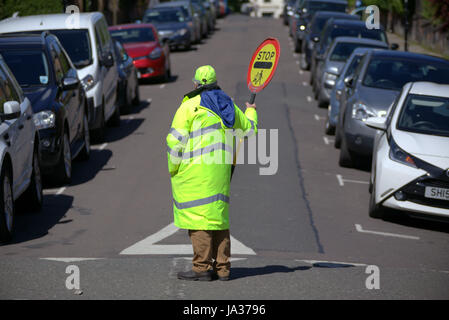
{"type": "Point", "coordinates": [374, 87]}
{"type": "Point", "coordinates": [19, 153]}
{"type": "Point", "coordinates": [335, 59]}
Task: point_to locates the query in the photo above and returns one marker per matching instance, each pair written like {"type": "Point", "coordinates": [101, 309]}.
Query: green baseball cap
{"type": "Point", "coordinates": [205, 75]}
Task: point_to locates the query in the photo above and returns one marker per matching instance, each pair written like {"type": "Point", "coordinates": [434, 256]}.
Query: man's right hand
{"type": "Point", "coordinates": [248, 105]}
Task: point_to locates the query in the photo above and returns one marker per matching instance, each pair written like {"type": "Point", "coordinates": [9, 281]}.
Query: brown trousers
{"type": "Point", "coordinates": [211, 251]}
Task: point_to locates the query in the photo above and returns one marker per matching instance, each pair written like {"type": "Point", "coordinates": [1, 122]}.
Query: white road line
{"type": "Point", "coordinates": [327, 140]}
{"type": "Point", "coordinates": [231, 259]}
{"type": "Point", "coordinates": [149, 245]}
{"type": "Point", "coordinates": [359, 228]}
{"type": "Point", "coordinates": [301, 72]}
{"type": "Point", "coordinates": [295, 55]}
{"type": "Point", "coordinates": [68, 260]}
{"type": "Point", "coordinates": [104, 145]}
{"type": "Point", "coordinates": [317, 117]}
{"type": "Point", "coordinates": [297, 62]}
{"type": "Point", "coordinates": [305, 84]}
{"type": "Point", "coordinates": [342, 181]}
{"type": "Point", "coordinates": [149, 100]}
{"type": "Point", "coordinates": [55, 191]}
{"type": "Point", "coordinates": [129, 119]}
{"type": "Point", "coordinates": [334, 262]}
{"type": "Point", "coordinates": [162, 86]}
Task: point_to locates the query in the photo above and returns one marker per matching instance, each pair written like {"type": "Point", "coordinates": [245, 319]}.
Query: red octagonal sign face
{"type": "Point", "coordinates": [263, 65]}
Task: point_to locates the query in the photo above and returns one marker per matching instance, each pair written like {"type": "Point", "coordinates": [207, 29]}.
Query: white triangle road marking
{"type": "Point", "coordinates": [149, 246]}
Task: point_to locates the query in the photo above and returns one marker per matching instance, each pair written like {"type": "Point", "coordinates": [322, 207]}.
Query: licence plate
{"type": "Point", "coordinates": [437, 193]}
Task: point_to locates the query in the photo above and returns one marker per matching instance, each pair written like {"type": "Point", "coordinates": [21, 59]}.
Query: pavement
{"type": "Point", "coordinates": [412, 45]}
{"type": "Point", "coordinates": [302, 233]}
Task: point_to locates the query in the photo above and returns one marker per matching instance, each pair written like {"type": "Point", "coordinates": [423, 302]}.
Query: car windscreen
{"type": "Point", "coordinates": [133, 35]}
{"type": "Point", "coordinates": [357, 32]}
{"type": "Point", "coordinates": [393, 74]}
{"type": "Point", "coordinates": [318, 24]}
{"type": "Point", "coordinates": [77, 44]}
{"type": "Point", "coordinates": [163, 16]}
{"type": "Point", "coordinates": [315, 6]}
{"type": "Point", "coordinates": [343, 50]}
{"type": "Point", "coordinates": [30, 67]}
{"type": "Point", "coordinates": [426, 115]}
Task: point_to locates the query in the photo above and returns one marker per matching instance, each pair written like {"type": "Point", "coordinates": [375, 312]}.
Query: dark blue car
{"type": "Point", "coordinates": [50, 81]}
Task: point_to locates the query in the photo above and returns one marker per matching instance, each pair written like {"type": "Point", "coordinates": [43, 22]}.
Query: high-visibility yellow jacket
{"type": "Point", "coordinates": [200, 153]}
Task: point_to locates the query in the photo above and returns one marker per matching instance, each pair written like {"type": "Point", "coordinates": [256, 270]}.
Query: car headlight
{"type": "Point", "coordinates": [88, 82]}
{"type": "Point", "coordinates": [362, 112]}
{"type": "Point", "coordinates": [330, 78]}
{"type": "Point", "coordinates": [155, 54]}
{"type": "Point", "coordinates": [399, 155]}
{"type": "Point", "coordinates": [44, 119]}
{"type": "Point", "coordinates": [181, 32]}
{"type": "Point", "coordinates": [302, 27]}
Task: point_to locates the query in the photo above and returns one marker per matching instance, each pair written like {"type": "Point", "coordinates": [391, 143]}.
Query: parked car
{"type": "Point", "coordinates": [19, 161]}
{"type": "Point", "coordinates": [305, 13]}
{"type": "Point", "coordinates": [338, 93]}
{"type": "Point", "coordinates": [90, 48]}
{"type": "Point", "coordinates": [410, 169]}
{"type": "Point", "coordinates": [335, 59]}
{"type": "Point", "coordinates": [340, 28]}
{"type": "Point", "coordinates": [376, 83]}
{"type": "Point", "coordinates": [313, 32]}
{"type": "Point", "coordinates": [191, 16]}
{"type": "Point", "coordinates": [171, 26]}
{"type": "Point", "coordinates": [287, 11]}
{"type": "Point", "coordinates": [128, 86]}
{"type": "Point", "coordinates": [50, 81]}
{"type": "Point", "coordinates": [150, 56]}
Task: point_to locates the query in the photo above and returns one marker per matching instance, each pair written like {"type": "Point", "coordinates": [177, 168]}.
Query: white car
{"type": "Point", "coordinates": [19, 153]}
{"type": "Point", "coordinates": [89, 45]}
{"type": "Point", "coordinates": [410, 170]}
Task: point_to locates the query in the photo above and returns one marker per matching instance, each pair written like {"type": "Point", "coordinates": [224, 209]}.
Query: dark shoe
{"type": "Point", "coordinates": [194, 276]}
{"type": "Point", "coordinates": [216, 276]}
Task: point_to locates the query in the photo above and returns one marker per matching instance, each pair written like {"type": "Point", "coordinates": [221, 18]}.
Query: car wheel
{"type": "Point", "coordinates": [345, 159]}
{"type": "Point", "coordinates": [376, 211]}
{"type": "Point", "coordinates": [7, 209]}
{"type": "Point", "coordinates": [136, 100]}
{"type": "Point", "coordinates": [99, 133]}
{"type": "Point", "coordinates": [328, 129]}
{"type": "Point", "coordinates": [63, 172]}
{"type": "Point", "coordinates": [297, 46]}
{"type": "Point", "coordinates": [33, 195]}
{"type": "Point", "coordinates": [115, 119]}
{"type": "Point", "coordinates": [85, 152]}
{"type": "Point", "coordinates": [337, 141]}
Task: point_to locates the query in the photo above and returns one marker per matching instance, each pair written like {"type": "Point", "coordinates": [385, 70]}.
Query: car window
{"type": "Point", "coordinates": [343, 50]}
{"type": "Point", "coordinates": [359, 68]}
{"type": "Point", "coordinates": [314, 6]}
{"type": "Point", "coordinates": [352, 67]}
{"type": "Point", "coordinates": [426, 115]}
{"type": "Point", "coordinates": [59, 72]}
{"type": "Point", "coordinates": [10, 91]}
{"type": "Point", "coordinates": [161, 16]}
{"type": "Point", "coordinates": [77, 44]}
{"type": "Point", "coordinates": [133, 35]}
{"type": "Point", "coordinates": [30, 67]}
{"type": "Point", "coordinates": [2, 92]}
{"type": "Point", "coordinates": [63, 61]}
{"type": "Point", "coordinates": [393, 74]}
{"type": "Point", "coordinates": [358, 32]}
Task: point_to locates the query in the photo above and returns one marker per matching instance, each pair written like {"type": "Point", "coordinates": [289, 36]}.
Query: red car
{"type": "Point", "coordinates": [150, 56]}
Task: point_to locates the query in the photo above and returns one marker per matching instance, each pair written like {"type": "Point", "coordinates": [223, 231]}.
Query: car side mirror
{"type": "Point", "coordinates": [394, 46]}
{"type": "Point", "coordinates": [70, 84]}
{"type": "Point", "coordinates": [349, 82]}
{"type": "Point", "coordinates": [378, 123]}
{"type": "Point", "coordinates": [11, 110]}
{"type": "Point", "coordinates": [107, 60]}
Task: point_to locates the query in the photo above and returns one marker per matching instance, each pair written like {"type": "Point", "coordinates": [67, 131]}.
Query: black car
{"type": "Point", "coordinates": [313, 32]}
{"type": "Point", "coordinates": [288, 10]}
{"type": "Point", "coordinates": [50, 81]}
{"type": "Point", "coordinates": [340, 28]}
{"type": "Point", "coordinates": [128, 85]}
{"type": "Point", "coordinates": [305, 14]}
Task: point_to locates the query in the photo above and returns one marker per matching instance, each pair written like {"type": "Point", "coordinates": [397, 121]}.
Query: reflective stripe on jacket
{"type": "Point", "coordinates": [200, 154]}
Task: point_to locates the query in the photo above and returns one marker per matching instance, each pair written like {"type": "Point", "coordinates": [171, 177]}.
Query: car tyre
{"type": "Point", "coordinates": [337, 141]}
{"type": "Point", "coordinates": [33, 196]}
{"type": "Point", "coordinates": [346, 159]}
{"type": "Point", "coordinates": [328, 129]}
{"type": "Point", "coordinates": [63, 173]}
{"type": "Point", "coordinates": [84, 154]}
{"type": "Point", "coordinates": [115, 119]}
{"type": "Point", "coordinates": [7, 209]}
{"type": "Point", "coordinates": [136, 100]}
{"type": "Point", "coordinates": [99, 133]}
{"type": "Point", "coordinates": [376, 211]}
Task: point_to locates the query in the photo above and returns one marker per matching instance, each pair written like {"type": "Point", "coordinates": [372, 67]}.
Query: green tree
{"type": "Point", "coordinates": [29, 7]}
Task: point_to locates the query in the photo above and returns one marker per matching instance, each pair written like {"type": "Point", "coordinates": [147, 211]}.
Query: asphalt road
{"type": "Point", "coordinates": [303, 233]}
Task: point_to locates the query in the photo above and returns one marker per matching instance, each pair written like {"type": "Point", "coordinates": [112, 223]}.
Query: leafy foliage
{"type": "Point", "coordinates": [388, 5]}
{"type": "Point", "coordinates": [29, 7]}
{"type": "Point", "coordinates": [439, 10]}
